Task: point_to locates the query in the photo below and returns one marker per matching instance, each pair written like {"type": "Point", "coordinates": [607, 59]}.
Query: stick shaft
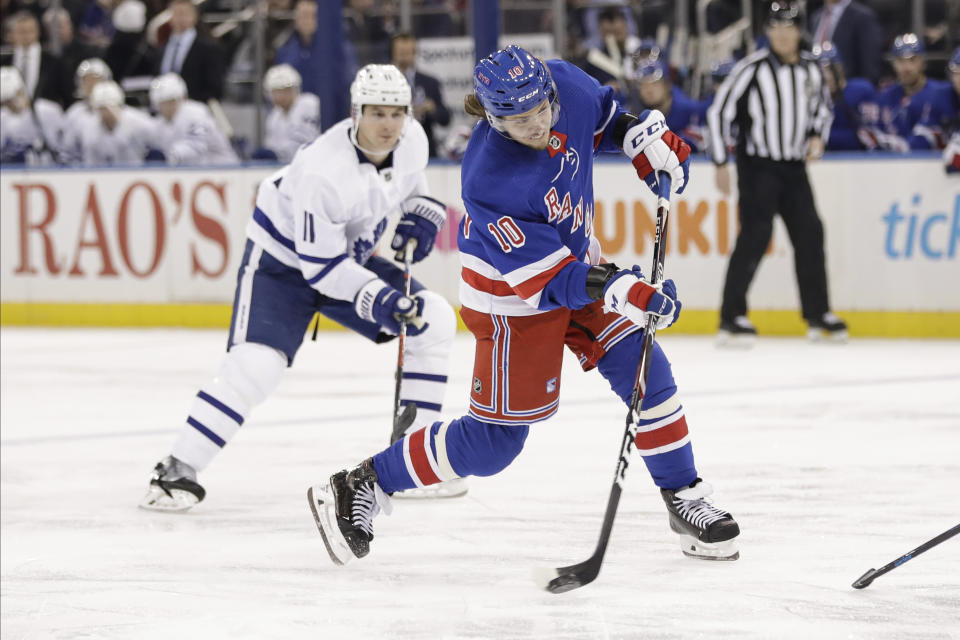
{"type": "Point", "coordinates": [402, 339]}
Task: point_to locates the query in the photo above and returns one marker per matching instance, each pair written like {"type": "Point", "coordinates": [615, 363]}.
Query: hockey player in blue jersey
{"type": "Point", "coordinates": [650, 88]}
{"type": "Point", "coordinates": [856, 112]}
{"type": "Point", "coordinates": [915, 107]}
{"type": "Point", "coordinates": [532, 281]}
{"type": "Point", "coordinates": [310, 246]}
{"type": "Point", "coordinates": [951, 153]}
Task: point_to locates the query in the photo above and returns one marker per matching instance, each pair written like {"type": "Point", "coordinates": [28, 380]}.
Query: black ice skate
{"type": "Point", "coordinates": [173, 487]}
{"type": "Point", "coordinates": [738, 332]}
{"type": "Point", "coordinates": [705, 531]}
{"type": "Point", "coordinates": [344, 509]}
{"type": "Point", "coordinates": [828, 328]}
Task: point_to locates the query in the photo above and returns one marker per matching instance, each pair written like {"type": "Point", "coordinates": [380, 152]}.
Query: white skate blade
{"type": "Point", "coordinates": [158, 500]}
{"type": "Point", "coordinates": [729, 340]}
{"type": "Point", "coordinates": [447, 489]}
{"type": "Point", "coordinates": [835, 337]}
{"type": "Point", "coordinates": [324, 512]}
{"type": "Point", "coordinates": [693, 548]}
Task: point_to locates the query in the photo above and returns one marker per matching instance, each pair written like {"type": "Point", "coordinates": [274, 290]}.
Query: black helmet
{"type": "Point", "coordinates": [784, 12]}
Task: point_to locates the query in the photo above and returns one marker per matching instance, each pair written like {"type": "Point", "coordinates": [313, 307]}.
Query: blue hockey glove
{"type": "Point", "coordinates": [634, 298]}
{"type": "Point", "coordinates": [380, 303]}
{"type": "Point", "coordinates": [422, 219]}
{"type": "Point", "coordinates": [652, 147]}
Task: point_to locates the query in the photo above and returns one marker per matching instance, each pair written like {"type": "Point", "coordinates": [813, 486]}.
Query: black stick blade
{"type": "Point", "coordinates": [865, 580]}
{"type": "Point", "coordinates": [565, 579]}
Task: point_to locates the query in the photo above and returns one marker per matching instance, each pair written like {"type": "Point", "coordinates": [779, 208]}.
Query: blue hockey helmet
{"type": "Point", "coordinates": [648, 48]}
{"type": "Point", "coordinates": [513, 81]}
{"type": "Point", "coordinates": [721, 69]}
{"type": "Point", "coordinates": [954, 64]}
{"type": "Point", "coordinates": [650, 70]}
{"type": "Point", "coordinates": [826, 53]}
{"type": "Point", "coordinates": [907, 46]}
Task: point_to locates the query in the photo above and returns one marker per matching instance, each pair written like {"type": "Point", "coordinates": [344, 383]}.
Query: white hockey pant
{"type": "Point", "coordinates": [248, 374]}
{"type": "Point", "coordinates": [426, 360]}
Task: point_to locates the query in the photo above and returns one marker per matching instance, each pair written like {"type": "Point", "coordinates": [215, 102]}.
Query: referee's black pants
{"type": "Point", "coordinates": [768, 187]}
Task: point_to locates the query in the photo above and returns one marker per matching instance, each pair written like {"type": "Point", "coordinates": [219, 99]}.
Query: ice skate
{"type": "Point", "coordinates": [344, 509]}
{"type": "Point", "coordinates": [705, 531]}
{"type": "Point", "coordinates": [173, 487]}
{"type": "Point", "coordinates": [737, 333]}
{"type": "Point", "coordinates": [827, 328]}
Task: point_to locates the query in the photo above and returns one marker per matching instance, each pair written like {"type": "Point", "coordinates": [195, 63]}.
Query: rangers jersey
{"type": "Point", "coordinates": [286, 131]}
{"type": "Point", "coordinates": [325, 212]}
{"type": "Point", "coordinates": [529, 221]}
{"type": "Point", "coordinates": [918, 117]}
{"type": "Point", "coordinates": [192, 137]}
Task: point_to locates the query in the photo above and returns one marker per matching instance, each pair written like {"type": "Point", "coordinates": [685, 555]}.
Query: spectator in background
{"type": "Point", "coordinates": [300, 51]}
{"type": "Point", "coordinates": [59, 29]}
{"type": "Point", "coordinates": [129, 54]}
{"type": "Point", "coordinates": [855, 32]}
{"type": "Point", "coordinates": [718, 73]}
{"type": "Point", "coordinates": [915, 107]}
{"type": "Point", "coordinates": [30, 133]}
{"type": "Point", "coordinates": [186, 132]}
{"type": "Point", "coordinates": [428, 106]}
{"type": "Point", "coordinates": [81, 115]}
{"type": "Point", "coordinates": [649, 87]}
{"type": "Point", "coordinates": [118, 134]}
{"type": "Point", "coordinates": [195, 58]}
{"type": "Point", "coordinates": [856, 110]}
{"type": "Point", "coordinates": [605, 61]}
{"type": "Point", "coordinates": [365, 31]}
{"type": "Point", "coordinates": [42, 73]}
{"type": "Point", "coordinates": [295, 117]}
{"type": "Point", "coordinates": [96, 27]}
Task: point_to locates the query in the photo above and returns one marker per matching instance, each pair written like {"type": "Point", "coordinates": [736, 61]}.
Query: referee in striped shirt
{"type": "Point", "coordinates": [776, 105]}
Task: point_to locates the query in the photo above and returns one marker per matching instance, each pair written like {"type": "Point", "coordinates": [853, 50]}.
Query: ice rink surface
{"type": "Point", "coordinates": [834, 459]}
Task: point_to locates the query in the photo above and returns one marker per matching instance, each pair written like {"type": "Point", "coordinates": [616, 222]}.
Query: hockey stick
{"type": "Point", "coordinates": [568, 578]}
{"type": "Point", "coordinates": [873, 574]}
{"type": "Point", "coordinates": [404, 420]}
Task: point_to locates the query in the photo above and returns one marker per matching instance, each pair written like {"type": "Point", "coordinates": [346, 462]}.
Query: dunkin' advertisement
{"type": "Point", "coordinates": [174, 236]}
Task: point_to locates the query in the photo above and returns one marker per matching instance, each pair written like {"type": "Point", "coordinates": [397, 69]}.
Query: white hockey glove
{"type": "Point", "coordinates": [632, 297]}
{"type": "Point", "coordinates": [422, 219]}
{"type": "Point", "coordinates": [652, 147]}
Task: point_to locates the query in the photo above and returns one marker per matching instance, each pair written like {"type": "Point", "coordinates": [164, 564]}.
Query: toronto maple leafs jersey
{"type": "Point", "coordinates": [126, 144]}
{"type": "Point", "coordinates": [529, 213]}
{"type": "Point", "coordinates": [31, 136]}
{"type": "Point", "coordinates": [325, 212]}
{"type": "Point", "coordinates": [287, 130]}
{"type": "Point", "coordinates": [193, 138]}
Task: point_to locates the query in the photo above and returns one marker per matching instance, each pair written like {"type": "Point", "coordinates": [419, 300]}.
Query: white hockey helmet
{"type": "Point", "coordinates": [281, 76]}
{"type": "Point", "coordinates": [11, 84]}
{"type": "Point", "coordinates": [95, 67]}
{"type": "Point", "coordinates": [106, 94]}
{"type": "Point", "coordinates": [169, 86]}
{"type": "Point", "coordinates": [380, 84]}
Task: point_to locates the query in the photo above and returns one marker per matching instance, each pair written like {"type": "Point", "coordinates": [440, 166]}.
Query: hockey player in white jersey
{"type": "Point", "coordinates": [80, 115]}
{"type": "Point", "coordinates": [185, 128]}
{"type": "Point", "coordinates": [310, 246]}
{"type": "Point", "coordinates": [118, 134]}
{"type": "Point", "coordinates": [29, 133]}
{"type": "Point", "coordinates": [295, 117]}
